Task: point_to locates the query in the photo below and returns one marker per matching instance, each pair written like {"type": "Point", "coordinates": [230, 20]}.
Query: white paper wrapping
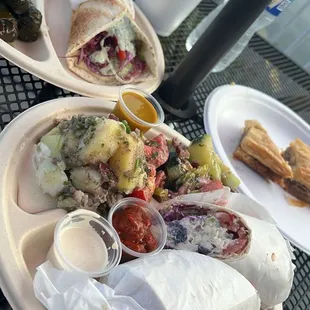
{"type": "Point", "coordinates": [62, 290]}
{"type": "Point", "coordinates": [183, 280]}
{"type": "Point", "coordinates": [268, 264]}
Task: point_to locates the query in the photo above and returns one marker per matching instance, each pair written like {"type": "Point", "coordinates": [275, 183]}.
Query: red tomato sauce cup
{"type": "Point", "coordinates": [140, 227]}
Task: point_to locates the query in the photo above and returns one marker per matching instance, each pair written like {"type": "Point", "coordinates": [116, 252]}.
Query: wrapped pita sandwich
{"type": "Point", "coordinates": [107, 47]}
{"type": "Point", "coordinates": [183, 280]}
{"type": "Point", "coordinates": [209, 230]}
{"type": "Point", "coordinates": [253, 247]}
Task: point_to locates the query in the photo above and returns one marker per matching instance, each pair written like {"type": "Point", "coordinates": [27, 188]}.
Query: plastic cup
{"type": "Point", "coordinates": [166, 16]}
{"type": "Point", "coordinates": [158, 227]}
{"type": "Point", "coordinates": [122, 111]}
{"type": "Point", "coordinates": [85, 242]}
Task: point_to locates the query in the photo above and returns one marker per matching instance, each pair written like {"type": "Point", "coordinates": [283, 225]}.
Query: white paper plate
{"type": "Point", "coordinates": [41, 58]}
{"type": "Point", "coordinates": [225, 111]}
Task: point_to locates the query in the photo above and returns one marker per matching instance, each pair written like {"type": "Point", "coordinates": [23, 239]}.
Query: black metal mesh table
{"type": "Point", "coordinates": [260, 66]}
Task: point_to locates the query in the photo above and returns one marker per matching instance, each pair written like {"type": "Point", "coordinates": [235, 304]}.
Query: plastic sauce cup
{"type": "Point", "coordinates": [158, 228]}
{"type": "Point", "coordinates": [135, 113]}
{"type": "Point", "coordinates": [85, 242]}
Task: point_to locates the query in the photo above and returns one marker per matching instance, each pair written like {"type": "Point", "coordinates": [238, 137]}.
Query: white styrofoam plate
{"type": "Point", "coordinates": [226, 109]}
{"type": "Point", "coordinates": [45, 57]}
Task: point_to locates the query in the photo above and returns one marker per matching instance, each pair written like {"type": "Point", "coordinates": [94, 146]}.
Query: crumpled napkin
{"type": "Point", "coordinates": [127, 3]}
{"type": "Point", "coordinates": [61, 290]}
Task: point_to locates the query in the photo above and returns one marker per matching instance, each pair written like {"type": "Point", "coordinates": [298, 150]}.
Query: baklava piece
{"type": "Point", "coordinates": [258, 151]}
{"type": "Point", "coordinates": [298, 156]}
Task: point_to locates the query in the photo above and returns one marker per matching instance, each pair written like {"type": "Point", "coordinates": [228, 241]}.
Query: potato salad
{"type": "Point", "coordinates": [89, 161]}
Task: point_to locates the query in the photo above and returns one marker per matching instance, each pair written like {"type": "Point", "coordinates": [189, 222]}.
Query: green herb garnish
{"type": "Point", "coordinates": [138, 162]}
{"type": "Point", "coordinates": [154, 155]}
{"type": "Point", "coordinates": [153, 143]}
{"type": "Point", "coordinates": [127, 127]}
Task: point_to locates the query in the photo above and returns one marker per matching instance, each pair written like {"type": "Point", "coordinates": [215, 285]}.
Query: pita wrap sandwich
{"type": "Point", "coordinates": [253, 247]}
{"type": "Point", "coordinates": [107, 47]}
{"type": "Point", "coordinates": [214, 231]}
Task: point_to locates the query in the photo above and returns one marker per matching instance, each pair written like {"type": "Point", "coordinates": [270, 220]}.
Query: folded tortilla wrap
{"type": "Point", "coordinates": [107, 47]}
{"type": "Point", "coordinates": [266, 260]}
{"type": "Point", "coordinates": [183, 280]}
{"type": "Point", "coordinates": [214, 231]}
{"type": "Point", "coordinates": [268, 265]}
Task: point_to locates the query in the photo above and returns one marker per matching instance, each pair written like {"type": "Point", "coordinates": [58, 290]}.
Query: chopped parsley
{"type": "Point", "coordinates": [153, 143]}
{"type": "Point", "coordinates": [154, 155]}
{"type": "Point", "coordinates": [81, 124]}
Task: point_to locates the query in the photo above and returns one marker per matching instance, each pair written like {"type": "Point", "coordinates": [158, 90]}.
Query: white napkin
{"type": "Point", "coordinates": [127, 3]}
{"type": "Point", "coordinates": [182, 280]}
{"type": "Point", "coordinates": [61, 290]}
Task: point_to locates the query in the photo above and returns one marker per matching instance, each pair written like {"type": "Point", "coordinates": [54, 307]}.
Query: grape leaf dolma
{"type": "Point", "coordinates": [18, 6]}
{"type": "Point", "coordinates": [8, 24]}
{"type": "Point", "coordinates": [29, 24]}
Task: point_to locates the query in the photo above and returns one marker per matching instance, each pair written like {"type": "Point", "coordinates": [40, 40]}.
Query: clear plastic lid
{"type": "Point", "coordinates": [93, 246]}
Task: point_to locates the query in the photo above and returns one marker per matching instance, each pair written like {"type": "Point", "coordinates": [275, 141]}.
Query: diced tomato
{"type": "Point", "coordinates": [145, 193]}
{"type": "Point", "coordinates": [227, 220]}
{"type": "Point", "coordinates": [139, 193]}
{"type": "Point", "coordinates": [156, 151]}
{"type": "Point", "coordinates": [236, 246]}
{"type": "Point", "coordinates": [212, 186]}
{"type": "Point", "coordinates": [242, 233]}
{"type": "Point", "coordinates": [121, 55]}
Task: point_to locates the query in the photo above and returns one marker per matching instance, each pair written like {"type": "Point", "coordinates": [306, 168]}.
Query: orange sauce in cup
{"type": "Point", "coordinates": [140, 107]}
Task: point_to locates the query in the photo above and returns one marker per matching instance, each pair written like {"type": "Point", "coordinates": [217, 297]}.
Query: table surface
{"type": "Point", "coordinates": [260, 66]}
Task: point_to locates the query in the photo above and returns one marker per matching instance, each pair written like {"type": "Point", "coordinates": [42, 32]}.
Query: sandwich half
{"type": "Point", "coordinates": [258, 151]}
{"type": "Point", "coordinates": [298, 156]}
{"type": "Point", "coordinates": [107, 47]}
